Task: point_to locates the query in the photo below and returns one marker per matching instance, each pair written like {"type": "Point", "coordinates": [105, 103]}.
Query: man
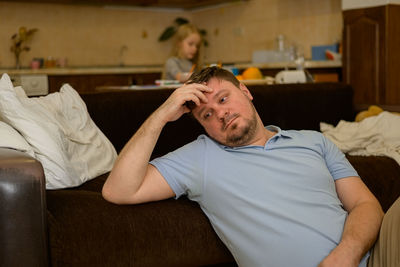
{"type": "Point", "coordinates": [275, 198]}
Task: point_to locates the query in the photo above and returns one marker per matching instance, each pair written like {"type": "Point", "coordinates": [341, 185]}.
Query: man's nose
{"type": "Point", "coordinates": [222, 114]}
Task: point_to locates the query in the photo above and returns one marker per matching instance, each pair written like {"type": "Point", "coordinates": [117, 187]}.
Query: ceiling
{"type": "Point", "coordinates": [182, 4]}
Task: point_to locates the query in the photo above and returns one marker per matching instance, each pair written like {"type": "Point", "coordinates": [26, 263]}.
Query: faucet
{"type": "Point", "coordinates": [122, 50]}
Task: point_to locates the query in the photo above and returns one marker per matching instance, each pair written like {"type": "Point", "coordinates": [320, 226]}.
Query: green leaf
{"type": "Point", "coordinates": [203, 32]}
{"type": "Point", "coordinates": [168, 33]}
{"type": "Point", "coordinates": [180, 21]}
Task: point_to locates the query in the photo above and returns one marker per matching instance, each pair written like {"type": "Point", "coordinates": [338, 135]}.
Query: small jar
{"type": "Point", "coordinates": [35, 64]}
{"type": "Point", "coordinates": [50, 62]}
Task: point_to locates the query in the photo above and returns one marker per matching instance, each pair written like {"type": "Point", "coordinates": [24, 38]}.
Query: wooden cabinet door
{"type": "Point", "coordinates": [371, 55]}
{"type": "Point", "coordinates": [393, 56]}
{"type": "Point", "coordinates": [363, 52]}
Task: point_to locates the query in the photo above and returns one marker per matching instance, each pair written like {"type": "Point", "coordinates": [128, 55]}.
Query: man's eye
{"type": "Point", "coordinates": [223, 99]}
{"type": "Point", "coordinates": [207, 115]}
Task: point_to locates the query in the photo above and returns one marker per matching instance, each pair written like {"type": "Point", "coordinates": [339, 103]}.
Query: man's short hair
{"type": "Point", "coordinates": [206, 74]}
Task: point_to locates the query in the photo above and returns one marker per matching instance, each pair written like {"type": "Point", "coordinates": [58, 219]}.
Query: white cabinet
{"type": "Point", "coordinates": [33, 84]}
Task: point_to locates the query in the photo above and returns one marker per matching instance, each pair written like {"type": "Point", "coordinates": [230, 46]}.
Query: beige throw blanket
{"type": "Point", "coordinates": [378, 135]}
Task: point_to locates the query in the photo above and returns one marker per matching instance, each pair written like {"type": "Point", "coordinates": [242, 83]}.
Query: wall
{"type": "Point", "coordinates": [95, 35]}
{"type": "Point", "coordinates": [86, 35]}
{"type": "Point", "coordinates": [237, 30]}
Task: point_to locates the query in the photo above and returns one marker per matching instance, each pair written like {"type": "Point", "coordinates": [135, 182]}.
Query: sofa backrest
{"type": "Point", "coordinates": [290, 106]}
{"type": "Point", "coordinates": [303, 106]}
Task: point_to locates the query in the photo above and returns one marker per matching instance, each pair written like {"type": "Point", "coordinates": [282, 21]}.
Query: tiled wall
{"type": "Point", "coordinates": [237, 30]}
{"type": "Point", "coordinates": [95, 35]}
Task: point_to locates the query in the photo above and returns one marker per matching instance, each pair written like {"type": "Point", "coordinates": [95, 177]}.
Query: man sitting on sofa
{"type": "Point", "coordinates": [274, 197]}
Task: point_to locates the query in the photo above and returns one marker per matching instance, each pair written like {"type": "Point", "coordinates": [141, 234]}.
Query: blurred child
{"type": "Point", "coordinates": [185, 54]}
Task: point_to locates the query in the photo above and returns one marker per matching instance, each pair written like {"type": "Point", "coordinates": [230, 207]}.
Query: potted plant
{"type": "Point", "coordinates": [19, 39]}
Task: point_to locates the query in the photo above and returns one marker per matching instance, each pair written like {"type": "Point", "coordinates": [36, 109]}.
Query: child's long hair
{"type": "Point", "coordinates": [184, 31]}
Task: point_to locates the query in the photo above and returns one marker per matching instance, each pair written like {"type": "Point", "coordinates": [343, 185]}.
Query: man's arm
{"type": "Point", "coordinates": [132, 179]}
{"type": "Point", "coordinates": [362, 224]}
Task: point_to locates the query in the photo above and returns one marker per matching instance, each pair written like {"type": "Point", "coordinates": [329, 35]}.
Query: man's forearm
{"type": "Point", "coordinates": [361, 228]}
{"type": "Point", "coordinates": [359, 234]}
{"type": "Point", "coordinates": [131, 165]}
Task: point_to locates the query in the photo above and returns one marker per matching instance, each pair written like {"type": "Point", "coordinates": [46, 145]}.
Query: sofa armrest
{"type": "Point", "coordinates": [23, 234]}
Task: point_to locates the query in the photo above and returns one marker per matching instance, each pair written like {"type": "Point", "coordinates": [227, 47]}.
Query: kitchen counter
{"type": "Point", "coordinates": [158, 68]}
{"type": "Point", "coordinates": [85, 70]}
{"type": "Point", "coordinates": [308, 64]}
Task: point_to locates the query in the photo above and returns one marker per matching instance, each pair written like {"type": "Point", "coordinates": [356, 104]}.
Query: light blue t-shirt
{"type": "Point", "coordinates": [272, 206]}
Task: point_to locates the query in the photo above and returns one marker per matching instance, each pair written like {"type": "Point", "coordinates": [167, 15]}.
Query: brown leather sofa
{"type": "Point", "coordinates": [77, 227]}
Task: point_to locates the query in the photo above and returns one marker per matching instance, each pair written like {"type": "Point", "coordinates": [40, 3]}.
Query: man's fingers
{"type": "Point", "coordinates": [200, 95]}
{"type": "Point", "coordinates": [199, 91]}
{"type": "Point", "coordinates": [200, 87]}
{"type": "Point", "coordinates": [193, 94]}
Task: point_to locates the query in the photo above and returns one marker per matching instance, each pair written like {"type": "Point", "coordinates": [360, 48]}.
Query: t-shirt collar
{"type": "Point", "coordinates": [278, 131]}
{"type": "Point", "coordinates": [271, 128]}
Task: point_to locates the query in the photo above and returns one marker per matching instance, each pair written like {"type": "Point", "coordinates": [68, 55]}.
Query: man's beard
{"type": "Point", "coordinates": [241, 136]}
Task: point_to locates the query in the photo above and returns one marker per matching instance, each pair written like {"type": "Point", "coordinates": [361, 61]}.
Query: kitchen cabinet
{"type": "Point", "coordinates": [85, 83]}
{"type": "Point", "coordinates": [371, 55]}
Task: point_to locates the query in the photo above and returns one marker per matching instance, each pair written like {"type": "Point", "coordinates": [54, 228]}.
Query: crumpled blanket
{"type": "Point", "coordinates": [378, 136]}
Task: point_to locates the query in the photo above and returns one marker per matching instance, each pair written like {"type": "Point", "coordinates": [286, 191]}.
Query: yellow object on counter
{"type": "Point", "coordinates": [239, 77]}
{"type": "Point", "coordinates": [252, 73]}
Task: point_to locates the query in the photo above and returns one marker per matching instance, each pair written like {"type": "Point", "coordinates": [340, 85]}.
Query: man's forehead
{"type": "Point", "coordinates": [216, 82]}
{"type": "Point", "coordinates": [217, 85]}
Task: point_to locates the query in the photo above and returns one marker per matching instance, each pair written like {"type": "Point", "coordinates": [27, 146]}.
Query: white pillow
{"type": "Point", "coordinates": [66, 141]}
{"type": "Point", "coordinates": [20, 92]}
{"type": "Point", "coordinates": [10, 138]}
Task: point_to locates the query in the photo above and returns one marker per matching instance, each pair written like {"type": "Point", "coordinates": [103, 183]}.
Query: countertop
{"type": "Point", "coordinates": [86, 70]}
{"type": "Point", "coordinates": [308, 64]}
{"type": "Point", "coordinates": [158, 68]}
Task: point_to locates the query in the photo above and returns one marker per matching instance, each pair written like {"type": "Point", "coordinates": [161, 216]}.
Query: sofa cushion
{"type": "Point", "coordinates": [10, 138]}
{"type": "Point", "coordinates": [163, 233]}
{"type": "Point", "coordinates": [65, 140]}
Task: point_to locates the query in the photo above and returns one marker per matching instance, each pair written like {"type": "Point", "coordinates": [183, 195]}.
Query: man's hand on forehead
{"type": "Point", "coordinates": [199, 91]}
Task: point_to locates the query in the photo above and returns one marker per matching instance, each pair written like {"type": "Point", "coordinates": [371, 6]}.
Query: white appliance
{"type": "Point", "coordinates": [33, 84]}
{"type": "Point", "coordinates": [291, 76]}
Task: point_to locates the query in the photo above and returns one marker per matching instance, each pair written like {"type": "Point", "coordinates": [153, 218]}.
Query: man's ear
{"type": "Point", "coordinates": [246, 91]}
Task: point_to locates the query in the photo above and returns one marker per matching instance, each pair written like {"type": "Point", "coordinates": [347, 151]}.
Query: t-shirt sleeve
{"type": "Point", "coordinates": [183, 169]}
{"type": "Point", "coordinates": [172, 68]}
{"type": "Point", "coordinates": [336, 161]}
